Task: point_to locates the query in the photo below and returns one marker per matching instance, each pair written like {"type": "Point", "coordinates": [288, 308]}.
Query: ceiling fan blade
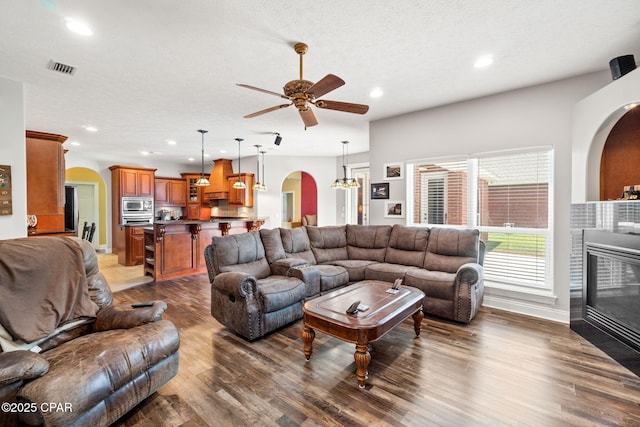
{"type": "Point", "coordinates": [308, 117]}
{"type": "Point", "coordinates": [325, 85]}
{"type": "Point", "coordinates": [266, 110]}
{"type": "Point", "coordinates": [262, 90]}
{"type": "Point", "coordinates": [342, 106]}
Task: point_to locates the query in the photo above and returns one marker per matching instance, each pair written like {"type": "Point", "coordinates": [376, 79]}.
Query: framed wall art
{"type": "Point", "coordinates": [380, 190]}
{"type": "Point", "coordinates": [394, 209]}
{"type": "Point", "coordinates": [393, 171]}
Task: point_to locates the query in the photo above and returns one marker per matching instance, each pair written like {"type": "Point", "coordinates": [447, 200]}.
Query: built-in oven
{"type": "Point", "coordinates": [137, 210]}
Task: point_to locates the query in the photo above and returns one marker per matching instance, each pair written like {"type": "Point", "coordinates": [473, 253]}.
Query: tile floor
{"type": "Point", "coordinates": [118, 276]}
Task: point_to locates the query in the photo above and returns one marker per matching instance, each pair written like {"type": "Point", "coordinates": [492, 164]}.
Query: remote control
{"type": "Point", "coordinates": [353, 308]}
{"type": "Point", "coordinates": [142, 304]}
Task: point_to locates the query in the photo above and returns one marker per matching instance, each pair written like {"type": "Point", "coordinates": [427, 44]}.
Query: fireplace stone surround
{"type": "Point", "coordinates": [604, 262]}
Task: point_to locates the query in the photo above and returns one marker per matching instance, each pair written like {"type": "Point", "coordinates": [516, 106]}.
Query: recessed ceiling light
{"type": "Point", "coordinates": [144, 153]}
{"type": "Point", "coordinates": [171, 142]}
{"type": "Point", "coordinates": [376, 92]}
{"type": "Point", "coordinates": [78, 27]}
{"type": "Point", "coordinates": [483, 61]}
{"type": "Point", "coordinates": [74, 143]}
{"type": "Point", "coordinates": [223, 151]}
{"type": "Point", "coordinates": [191, 159]}
{"type": "Point", "coordinates": [90, 129]}
{"type": "Point", "coordinates": [206, 155]}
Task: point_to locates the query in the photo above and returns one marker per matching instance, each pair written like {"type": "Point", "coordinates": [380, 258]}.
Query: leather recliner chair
{"type": "Point", "coordinates": [91, 374]}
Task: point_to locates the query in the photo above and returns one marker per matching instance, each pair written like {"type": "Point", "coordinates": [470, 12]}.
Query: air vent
{"type": "Point", "coordinates": [61, 68]}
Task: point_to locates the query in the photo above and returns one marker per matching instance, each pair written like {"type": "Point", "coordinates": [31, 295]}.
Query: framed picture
{"type": "Point", "coordinates": [394, 209]}
{"type": "Point", "coordinates": [380, 190]}
{"type": "Point", "coordinates": [393, 171]}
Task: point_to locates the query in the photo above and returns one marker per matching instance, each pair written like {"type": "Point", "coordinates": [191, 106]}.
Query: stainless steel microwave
{"type": "Point", "coordinates": [137, 206]}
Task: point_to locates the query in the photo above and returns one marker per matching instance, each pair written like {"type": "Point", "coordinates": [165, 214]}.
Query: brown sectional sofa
{"type": "Point", "coordinates": [260, 280]}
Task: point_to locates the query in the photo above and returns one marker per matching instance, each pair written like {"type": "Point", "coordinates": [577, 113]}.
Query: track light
{"type": "Point", "coordinates": [278, 139]}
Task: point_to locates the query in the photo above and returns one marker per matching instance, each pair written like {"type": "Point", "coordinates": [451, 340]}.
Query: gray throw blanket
{"type": "Point", "coordinates": [43, 285]}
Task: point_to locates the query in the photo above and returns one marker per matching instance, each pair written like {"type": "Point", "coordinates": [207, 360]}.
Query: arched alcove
{"type": "Point", "coordinates": [85, 176]}
{"type": "Point", "coordinates": [620, 159]}
{"type": "Point", "coordinates": [299, 198]}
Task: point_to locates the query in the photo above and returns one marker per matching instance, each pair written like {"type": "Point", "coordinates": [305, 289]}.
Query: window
{"type": "Point", "coordinates": [506, 196]}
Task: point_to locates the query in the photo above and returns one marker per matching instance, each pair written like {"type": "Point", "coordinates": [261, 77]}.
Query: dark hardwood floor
{"type": "Point", "coordinates": [503, 369]}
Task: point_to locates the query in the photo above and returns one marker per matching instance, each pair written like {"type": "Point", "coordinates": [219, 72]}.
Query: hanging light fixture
{"type": "Point", "coordinates": [202, 181]}
{"type": "Point", "coordinates": [345, 183]}
{"type": "Point", "coordinates": [239, 184]}
{"type": "Point", "coordinates": [264, 180]}
{"type": "Point", "coordinates": [257, 186]}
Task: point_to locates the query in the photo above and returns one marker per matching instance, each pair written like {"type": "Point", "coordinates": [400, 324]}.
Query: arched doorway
{"type": "Point", "coordinates": [299, 199]}
{"type": "Point", "coordinates": [92, 200]}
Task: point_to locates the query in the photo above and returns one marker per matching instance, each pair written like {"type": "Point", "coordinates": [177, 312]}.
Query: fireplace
{"type": "Point", "coordinates": [610, 300]}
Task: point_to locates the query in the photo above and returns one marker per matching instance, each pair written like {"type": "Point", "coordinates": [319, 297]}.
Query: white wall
{"type": "Point", "coordinates": [529, 117]}
{"type": "Point", "coordinates": [594, 117]}
{"type": "Point", "coordinates": [13, 153]}
{"type": "Point", "coordinates": [268, 203]}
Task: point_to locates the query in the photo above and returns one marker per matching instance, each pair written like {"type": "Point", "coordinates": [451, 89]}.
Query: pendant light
{"type": "Point", "coordinates": [202, 181]}
{"type": "Point", "coordinates": [257, 186]}
{"type": "Point", "coordinates": [264, 179]}
{"type": "Point", "coordinates": [345, 183]}
{"type": "Point", "coordinates": [239, 184]}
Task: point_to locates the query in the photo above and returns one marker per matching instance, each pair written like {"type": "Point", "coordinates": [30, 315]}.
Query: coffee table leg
{"type": "Point", "coordinates": [308, 335]}
{"type": "Point", "coordinates": [363, 358]}
{"type": "Point", "coordinates": [417, 321]}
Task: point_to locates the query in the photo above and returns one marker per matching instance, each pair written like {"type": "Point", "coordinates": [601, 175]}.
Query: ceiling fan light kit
{"type": "Point", "coordinates": [304, 93]}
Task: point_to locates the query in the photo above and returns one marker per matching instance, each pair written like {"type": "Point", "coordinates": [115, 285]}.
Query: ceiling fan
{"type": "Point", "coordinates": [303, 93]}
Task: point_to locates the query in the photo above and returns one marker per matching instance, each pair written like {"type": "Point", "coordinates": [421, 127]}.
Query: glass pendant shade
{"type": "Point", "coordinates": [202, 181]}
{"type": "Point", "coordinates": [257, 186]}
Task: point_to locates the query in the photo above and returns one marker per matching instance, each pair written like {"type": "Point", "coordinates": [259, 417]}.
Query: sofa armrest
{"type": "Point", "coordinates": [469, 274]}
{"type": "Point", "coordinates": [238, 285]}
{"type": "Point", "coordinates": [21, 365]}
{"type": "Point", "coordinates": [310, 276]}
{"type": "Point", "coordinates": [282, 266]}
{"type": "Point", "coordinates": [126, 317]}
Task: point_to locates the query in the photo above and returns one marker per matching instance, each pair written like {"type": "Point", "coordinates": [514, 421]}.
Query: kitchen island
{"type": "Point", "coordinates": [176, 248]}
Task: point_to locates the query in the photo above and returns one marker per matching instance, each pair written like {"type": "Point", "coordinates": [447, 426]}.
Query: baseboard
{"type": "Point", "coordinates": [527, 308]}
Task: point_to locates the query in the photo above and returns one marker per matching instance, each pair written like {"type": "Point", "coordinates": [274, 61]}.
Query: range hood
{"type": "Point", "coordinates": [219, 187]}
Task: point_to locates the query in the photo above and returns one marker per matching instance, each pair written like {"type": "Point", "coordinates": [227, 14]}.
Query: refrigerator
{"type": "Point", "coordinates": [71, 217]}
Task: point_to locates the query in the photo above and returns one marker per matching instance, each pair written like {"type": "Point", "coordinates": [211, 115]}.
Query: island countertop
{"type": "Point", "coordinates": [176, 248]}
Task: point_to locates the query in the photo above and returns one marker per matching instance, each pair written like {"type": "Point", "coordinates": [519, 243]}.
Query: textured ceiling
{"type": "Point", "coordinates": [159, 69]}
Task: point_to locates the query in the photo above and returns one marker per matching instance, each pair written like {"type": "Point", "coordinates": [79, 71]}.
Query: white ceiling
{"type": "Point", "coordinates": [159, 69]}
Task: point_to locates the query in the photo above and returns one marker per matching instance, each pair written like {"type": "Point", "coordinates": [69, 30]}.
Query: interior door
{"type": "Point", "coordinates": [87, 209]}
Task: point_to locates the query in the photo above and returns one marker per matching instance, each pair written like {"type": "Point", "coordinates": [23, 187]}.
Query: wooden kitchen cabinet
{"type": "Point", "coordinates": [134, 246]}
{"type": "Point", "coordinates": [197, 207]}
{"type": "Point", "coordinates": [45, 180]}
{"type": "Point", "coordinates": [243, 196]}
{"type": "Point", "coordinates": [132, 181]}
{"type": "Point", "coordinates": [170, 192]}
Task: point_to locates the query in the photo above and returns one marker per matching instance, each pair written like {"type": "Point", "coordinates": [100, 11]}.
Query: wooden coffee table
{"type": "Point", "coordinates": [327, 314]}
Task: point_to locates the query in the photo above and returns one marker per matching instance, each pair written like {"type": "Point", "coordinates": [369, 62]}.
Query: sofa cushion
{"type": "Point", "coordinates": [434, 284]}
{"type": "Point", "coordinates": [407, 245]}
{"type": "Point", "coordinates": [240, 253]}
{"type": "Point", "coordinates": [277, 292]}
{"type": "Point", "coordinates": [449, 248]}
{"type": "Point", "coordinates": [272, 243]}
{"type": "Point", "coordinates": [328, 243]}
{"type": "Point", "coordinates": [355, 268]}
{"type": "Point", "coordinates": [331, 277]}
{"type": "Point", "coordinates": [386, 272]}
{"type": "Point", "coordinates": [296, 244]}
{"type": "Point", "coordinates": [367, 242]}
